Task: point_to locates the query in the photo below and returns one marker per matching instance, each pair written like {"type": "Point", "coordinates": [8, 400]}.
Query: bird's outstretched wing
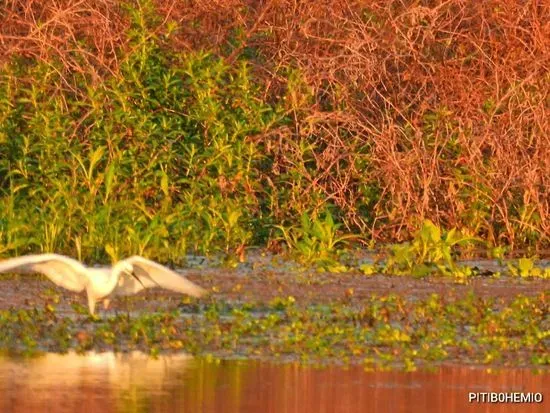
{"type": "Point", "coordinates": [63, 271]}
{"type": "Point", "coordinates": [151, 274]}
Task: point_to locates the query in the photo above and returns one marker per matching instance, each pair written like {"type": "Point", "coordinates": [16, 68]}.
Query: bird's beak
{"type": "Point", "coordinates": [136, 277]}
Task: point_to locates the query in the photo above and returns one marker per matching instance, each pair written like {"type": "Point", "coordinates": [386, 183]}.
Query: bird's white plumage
{"type": "Point", "coordinates": [126, 277]}
{"type": "Point", "coordinates": [63, 271]}
{"type": "Point", "coordinates": [152, 274]}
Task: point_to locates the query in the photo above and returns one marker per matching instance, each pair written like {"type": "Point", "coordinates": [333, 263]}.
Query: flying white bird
{"type": "Point", "coordinates": [126, 277]}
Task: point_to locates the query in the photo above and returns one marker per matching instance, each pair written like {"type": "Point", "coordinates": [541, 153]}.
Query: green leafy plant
{"type": "Point", "coordinates": [368, 269]}
{"type": "Point", "coordinates": [526, 267]}
{"type": "Point", "coordinates": [315, 241]}
{"type": "Point", "coordinates": [430, 252]}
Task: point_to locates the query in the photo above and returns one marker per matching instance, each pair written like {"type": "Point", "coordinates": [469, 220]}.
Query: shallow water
{"type": "Point", "coordinates": [135, 383]}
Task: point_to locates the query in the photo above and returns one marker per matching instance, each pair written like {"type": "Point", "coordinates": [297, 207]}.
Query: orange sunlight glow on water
{"type": "Point", "coordinates": [133, 382]}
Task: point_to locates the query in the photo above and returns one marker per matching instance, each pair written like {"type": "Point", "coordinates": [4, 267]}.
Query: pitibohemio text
{"type": "Point", "coordinates": [515, 397]}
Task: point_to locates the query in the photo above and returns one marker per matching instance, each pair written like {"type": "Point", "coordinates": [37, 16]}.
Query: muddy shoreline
{"type": "Point", "coordinates": [27, 292]}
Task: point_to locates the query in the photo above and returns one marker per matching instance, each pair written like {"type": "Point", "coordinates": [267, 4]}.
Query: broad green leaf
{"type": "Point", "coordinates": [164, 183]}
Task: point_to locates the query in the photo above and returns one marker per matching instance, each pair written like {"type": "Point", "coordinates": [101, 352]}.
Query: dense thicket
{"type": "Point", "coordinates": [163, 127]}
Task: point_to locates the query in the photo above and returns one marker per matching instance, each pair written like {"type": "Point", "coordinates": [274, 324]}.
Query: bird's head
{"type": "Point", "coordinates": [123, 268]}
{"type": "Point", "coordinates": [126, 267]}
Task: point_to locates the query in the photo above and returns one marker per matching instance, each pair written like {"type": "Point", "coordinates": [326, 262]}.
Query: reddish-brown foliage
{"type": "Point", "coordinates": [83, 35]}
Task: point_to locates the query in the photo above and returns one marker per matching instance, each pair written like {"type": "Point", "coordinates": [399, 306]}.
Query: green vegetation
{"type": "Point", "coordinates": [430, 252]}
{"type": "Point", "coordinates": [143, 146]}
{"type": "Point", "coordinates": [526, 267]}
{"type": "Point", "coordinates": [385, 331]}
{"type": "Point", "coordinates": [314, 242]}
{"type": "Point", "coordinates": [157, 161]}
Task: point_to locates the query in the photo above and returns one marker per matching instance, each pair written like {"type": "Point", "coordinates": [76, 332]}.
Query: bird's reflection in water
{"type": "Point", "coordinates": [134, 382]}
{"type": "Point", "coordinates": [96, 381]}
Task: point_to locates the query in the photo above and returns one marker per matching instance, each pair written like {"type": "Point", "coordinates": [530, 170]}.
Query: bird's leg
{"type": "Point", "coordinates": [127, 306]}
{"type": "Point", "coordinates": [106, 302]}
{"type": "Point", "coordinates": [91, 304]}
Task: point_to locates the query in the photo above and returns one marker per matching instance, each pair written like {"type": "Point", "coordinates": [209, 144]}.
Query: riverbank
{"type": "Point", "coordinates": [276, 313]}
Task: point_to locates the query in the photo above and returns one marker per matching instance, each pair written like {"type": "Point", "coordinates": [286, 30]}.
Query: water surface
{"type": "Point", "coordinates": [133, 382]}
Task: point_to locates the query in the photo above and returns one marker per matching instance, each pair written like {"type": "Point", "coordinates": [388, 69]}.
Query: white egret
{"type": "Point", "coordinates": [126, 277]}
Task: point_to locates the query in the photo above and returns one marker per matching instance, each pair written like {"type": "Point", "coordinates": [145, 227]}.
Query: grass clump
{"type": "Point", "coordinates": [430, 252]}
{"type": "Point", "coordinates": [526, 268]}
{"type": "Point", "coordinates": [315, 241]}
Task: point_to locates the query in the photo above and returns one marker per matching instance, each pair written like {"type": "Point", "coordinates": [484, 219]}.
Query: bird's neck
{"type": "Point", "coordinates": [110, 279]}
{"type": "Point", "coordinates": [116, 272]}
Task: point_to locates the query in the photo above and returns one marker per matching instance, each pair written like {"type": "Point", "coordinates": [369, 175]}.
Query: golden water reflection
{"type": "Point", "coordinates": [108, 382]}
